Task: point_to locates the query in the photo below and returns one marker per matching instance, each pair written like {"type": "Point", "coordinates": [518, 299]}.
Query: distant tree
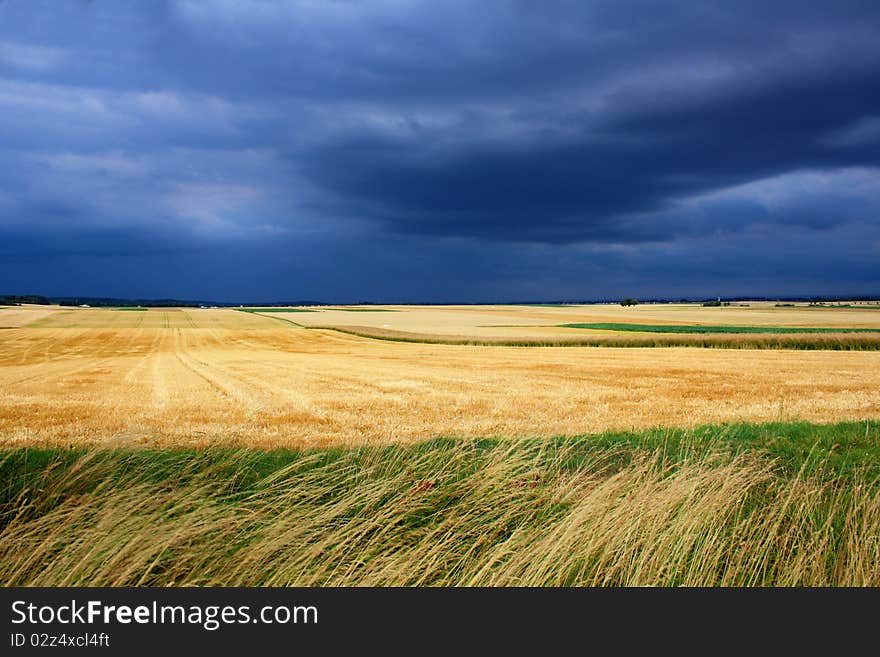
{"type": "Point", "coordinates": [629, 302]}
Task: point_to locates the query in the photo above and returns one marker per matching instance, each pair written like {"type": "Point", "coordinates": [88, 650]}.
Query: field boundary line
{"type": "Point", "coordinates": [617, 343]}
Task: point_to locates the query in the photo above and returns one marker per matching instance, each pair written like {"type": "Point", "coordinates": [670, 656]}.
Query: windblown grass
{"type": "Point", "coordinates": [699, 507]}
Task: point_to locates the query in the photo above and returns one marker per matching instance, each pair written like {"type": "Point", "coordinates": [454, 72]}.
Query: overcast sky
{"type": "Point", "coordinates": [439, 150]}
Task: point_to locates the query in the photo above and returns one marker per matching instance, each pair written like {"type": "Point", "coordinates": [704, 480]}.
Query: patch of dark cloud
{"type": "Point", "coordinates": [555, 145]}
{"type": "Point", "coordinates": [601, 188]}
{"type": "Point", "coordinates": [399, 52]}
{"type": "Point", "coordinates": [649, 142]}
{"type": "Point", "coordinates": [761, 260]}
{"type": "Point", "coordinates": [62, 231]}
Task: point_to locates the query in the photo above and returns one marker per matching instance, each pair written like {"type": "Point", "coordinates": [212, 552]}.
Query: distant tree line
{"type": "Point", "coordinates": [18, 299]}
{"type": "Point", "coordinates": [125, 303]}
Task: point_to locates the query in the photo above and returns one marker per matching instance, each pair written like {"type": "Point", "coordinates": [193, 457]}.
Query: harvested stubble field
{"type": "Point", "coordinates": [219, 447]}
{"type": "Point", "coordinates": [760, 325]}
{"type": "Point", "coordinates": [198, 377]}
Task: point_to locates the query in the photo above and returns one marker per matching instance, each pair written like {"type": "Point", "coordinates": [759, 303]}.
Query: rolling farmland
{"type": "Point", "coordinates": [275, 447]}
{"type": "Point", "coordinates": [453, 294]}
{"type": "Point", "coordinates": [220, 376]}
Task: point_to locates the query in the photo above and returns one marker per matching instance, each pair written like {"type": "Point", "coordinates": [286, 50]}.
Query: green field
{"type": "Point", "coordinates": [551, 305]}
{"type": "Point", "coordinates": [741, 504]}
{"type": "Point", "coordinates": [363, 310]}
{"type": "Point", "coordinates": [854, 342]}
{"type": "Point", "coordinates": [819, 306]}
{"type": "Point", "coordinates": [275, 310]}
{"type": "Point", "coordinates": [699, 329]}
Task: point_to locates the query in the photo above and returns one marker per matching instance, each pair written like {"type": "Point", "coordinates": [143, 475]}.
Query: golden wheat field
{"type": "Point", "coordinates": [515, 322]}
{"type": "Point", "coordinates": [210, 376]}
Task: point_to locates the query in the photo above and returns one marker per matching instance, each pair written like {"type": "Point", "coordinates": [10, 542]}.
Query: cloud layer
{"type": "Point", "coordinates": [438, 151]}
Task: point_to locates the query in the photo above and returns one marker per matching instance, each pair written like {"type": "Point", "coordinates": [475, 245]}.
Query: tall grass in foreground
{"type": "Point", "coordinates": [452, 513]}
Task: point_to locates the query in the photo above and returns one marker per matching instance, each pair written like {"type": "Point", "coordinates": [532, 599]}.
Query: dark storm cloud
{"type": "Point", "coordinates": [579, 140]}
{"type": "Point", "coordinates": [643, 149]}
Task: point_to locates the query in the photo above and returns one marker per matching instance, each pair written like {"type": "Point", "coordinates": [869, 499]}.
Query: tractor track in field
{"type": "Point", "coordinates": [227, 385]}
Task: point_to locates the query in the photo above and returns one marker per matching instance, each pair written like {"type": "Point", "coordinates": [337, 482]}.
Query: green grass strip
{"type": "Point", "coordinates": [363, 310]}
{"type": "Point", "coordinates": [838, 451]}
{"type": "Point", "coordinates": [275, 310]}
{"type": "Point", "coordinates": [551, 305]}
{"type": "Point", "coordinates": [680, 328]}
{"type": "Point", "coordinates": [781, 341]}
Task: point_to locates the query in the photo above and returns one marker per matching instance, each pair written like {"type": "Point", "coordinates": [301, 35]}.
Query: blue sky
{"type": "Point", "coordinates": [439, 151]}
